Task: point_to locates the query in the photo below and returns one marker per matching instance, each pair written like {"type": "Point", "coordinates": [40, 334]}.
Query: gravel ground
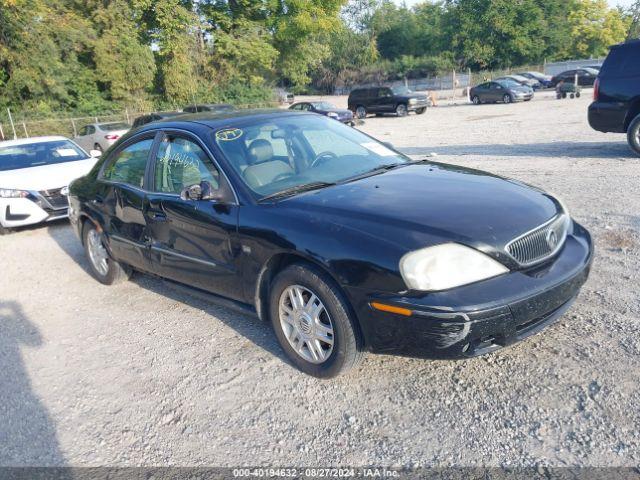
{"type": "Point", "coordinates": [139, 374]}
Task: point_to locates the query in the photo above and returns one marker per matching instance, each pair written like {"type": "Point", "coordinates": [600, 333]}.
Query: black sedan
{"type": "Point", "coordinates": [505, 91]}
{"type": "Point", "coordinates": [327, 109]}
{"type": "Point", "coordinates": [342, 243]}
{"type": "Point", "coordinates": [586, 77]}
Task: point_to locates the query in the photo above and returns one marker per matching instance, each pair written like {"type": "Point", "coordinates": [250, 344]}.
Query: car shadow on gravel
{"type": "Point", "coordinates": [27, 431]}
{"type": "Point", "coordinates": [613, 150]}
{"type": "Point", "coordinates": [251, 327]}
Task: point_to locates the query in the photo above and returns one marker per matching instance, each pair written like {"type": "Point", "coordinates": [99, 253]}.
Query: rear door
{"type": "Point", "coordinates": [192, 241]}
{"type": "Point", "coordinates": [383, 101]}
{"type": "Point", "coordinates": [121, 198]}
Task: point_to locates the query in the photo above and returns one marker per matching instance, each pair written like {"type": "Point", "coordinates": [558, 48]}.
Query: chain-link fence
{"type": "Point", "coordinates": [16, 124]}
{"type": "Point", "coordinates": [445, 84]}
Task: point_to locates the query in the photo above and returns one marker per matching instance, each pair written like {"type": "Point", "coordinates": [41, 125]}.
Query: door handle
{"type": "Point", "coordinates": [158, 216]}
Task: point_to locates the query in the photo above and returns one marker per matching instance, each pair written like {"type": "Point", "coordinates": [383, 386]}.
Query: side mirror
{"type": "Point", "coordinates": [203, 191]}
{"type": "Point", "coordinates": [95, 153]}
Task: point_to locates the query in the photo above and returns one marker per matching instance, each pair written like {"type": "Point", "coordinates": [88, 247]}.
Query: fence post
{"type": "Point", "coordinates": [469, 86]}
{"type": "Point", "coordinates": [1, 133]}
{"type": "Point", "coordinates": [126, 112]}
{"type": "Point", "coordinates": [24, 126]}
{"type": "Point", "coordinates": [73, 124]}
{"type": "Point", "coordinates": [13, 127]}
{"type": "Point", "coordinates": [453, 86]}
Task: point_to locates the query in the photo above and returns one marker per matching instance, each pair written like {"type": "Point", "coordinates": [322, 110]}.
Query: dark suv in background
{"type": "Point", "coordinates": [380, 100]}
{"type": "Point", "coordinates": [616, 94]}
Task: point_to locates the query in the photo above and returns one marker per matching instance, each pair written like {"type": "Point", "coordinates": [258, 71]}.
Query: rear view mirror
{"type": "Point", "coordinates": [95, 153]}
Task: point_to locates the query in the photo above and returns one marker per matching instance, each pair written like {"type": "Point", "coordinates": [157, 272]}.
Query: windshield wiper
{"type": "Point", "coordinates": [305, 187]}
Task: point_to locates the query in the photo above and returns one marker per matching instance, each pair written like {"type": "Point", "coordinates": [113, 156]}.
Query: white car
{"type": "Point", "coordinates": [34, 176]}
{"type": "Point", "coordinates": [100, 136]}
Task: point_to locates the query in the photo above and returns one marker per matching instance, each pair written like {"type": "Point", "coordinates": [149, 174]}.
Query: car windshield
{"type": "Point", "coordinates": [37, 154]}
{"type": "Point", "coordinates": [401, 90]}
{"type": "Point", "coordinates": [288, 152]}
{"type": "Point", "coordinates": [323, 106]}
{"type": "Point", "coordinates": [110, 127]}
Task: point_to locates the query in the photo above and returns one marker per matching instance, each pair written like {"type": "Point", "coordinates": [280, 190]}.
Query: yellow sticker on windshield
{"type": "Point", "coordinates": [229, 134]}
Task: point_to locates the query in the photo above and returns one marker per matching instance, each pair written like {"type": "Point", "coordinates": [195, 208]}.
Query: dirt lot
{"type": "Point", "coordinates": [138, 374]}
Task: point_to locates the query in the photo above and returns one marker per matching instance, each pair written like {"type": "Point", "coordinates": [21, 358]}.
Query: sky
{"type": "Point", "coordinates": [613, 3]}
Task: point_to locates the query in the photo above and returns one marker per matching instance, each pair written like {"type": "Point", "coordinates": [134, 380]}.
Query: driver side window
{"type": "Point", "coordinates": [325, 140]}
{"type": "Point", "coordinates": [181, 163]}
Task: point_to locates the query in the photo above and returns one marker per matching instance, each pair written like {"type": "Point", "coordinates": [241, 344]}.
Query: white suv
{"type": "Point", "coordinates": [34, 175]}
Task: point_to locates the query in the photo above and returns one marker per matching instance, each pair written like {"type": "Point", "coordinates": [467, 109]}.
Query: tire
{"type": "Point", "coordinates": [4, 230]}
{"type": "Point", "coordinates": [507, 98]}
{"type": "Point", "coordinates": [420, 111]}
{"type": "Point", "coordinates": [564, 94]}
{"type": "Point", "coordinates": [97, 147]}
{"type": "Point", "coordinates": [343, 352]}
{"type": "Point", "coordinates": [559, 96]}
{"type": "Point", "coordinates": [401, 110]}
{"type": "Point", "coordinates": [572, 96]}
{"type": "Point", "coordinates": [112, 272]}
{"type": "Point", "coordinates": [476, 100]}
{"type": "Point", "coordinates": [578, 94]}
{"type": "Point", "coordinates": [633, 135]}
{"type": "Point", "coordinates": [361, 112]}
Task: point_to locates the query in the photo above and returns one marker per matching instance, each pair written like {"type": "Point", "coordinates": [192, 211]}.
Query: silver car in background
{"type": "Point", "coordinates": [100, 136]}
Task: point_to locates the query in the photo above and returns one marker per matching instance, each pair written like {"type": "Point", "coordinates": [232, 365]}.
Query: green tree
{"type": "Point", "coordinates": [595, 27]}
{"type": "Point", "coordinates": [123, 63]}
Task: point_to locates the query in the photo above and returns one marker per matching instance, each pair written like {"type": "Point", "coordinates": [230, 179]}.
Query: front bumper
{"type": "Point", "coordinates": [420, 104]}
{"type": "Point", "coordinates": [482, 317]}
{"type": "Point", "coordinates": [19, 212]}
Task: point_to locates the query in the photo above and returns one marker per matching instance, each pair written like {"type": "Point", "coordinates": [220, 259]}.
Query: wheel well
{"type": "Point", "coordinates": [275, 265]}
{"type": "Point", "coordinates": [634, 111]}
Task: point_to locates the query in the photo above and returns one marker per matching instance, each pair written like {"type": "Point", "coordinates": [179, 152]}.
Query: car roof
{"type": "Point", "coordinates": [32, 140]}
{"type": "Point", "coordinates": [223, 119]}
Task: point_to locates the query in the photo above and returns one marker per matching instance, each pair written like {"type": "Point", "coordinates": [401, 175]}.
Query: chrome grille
{"type": "Point", "coordinates": [540, 243]}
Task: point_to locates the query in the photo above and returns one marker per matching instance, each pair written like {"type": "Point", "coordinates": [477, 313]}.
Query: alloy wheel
{"type": "Point", "coordinates": [507, 99]}
{"type": "Point", "coordinates": [97, 253]}
{"type": "Point", "coordinates": [361, 112]}
{"type": "Point", "coordinates": [306, 324]}
{"type": "Point", "coordinates": [401, 110]}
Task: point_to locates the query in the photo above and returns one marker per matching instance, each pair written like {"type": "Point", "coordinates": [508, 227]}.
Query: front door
{"type": "Point", "coordinates": [192, 241]}
{"type": "Point", "coordinates": [121, 198]}
{"type": "Point", "coordinates": [384, 101]}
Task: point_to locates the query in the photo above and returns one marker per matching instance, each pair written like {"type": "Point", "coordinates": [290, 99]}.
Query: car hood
{"type": "Point", "coordinates": [420, 205]}
{"type": "Point", "coordinates": [46, 177]}
{"type": "Point", "coordinates": [419, 96]}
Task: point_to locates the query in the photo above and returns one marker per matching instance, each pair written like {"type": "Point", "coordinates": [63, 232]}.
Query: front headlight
{"type": "Point", "coordinates": [9, 193]}
{"type": "Point", "coordinates": [446, 266]}
{"type": "Point", "coordinates": [332, 115]}
{"type": "Point", "coordinates": [413, 100]}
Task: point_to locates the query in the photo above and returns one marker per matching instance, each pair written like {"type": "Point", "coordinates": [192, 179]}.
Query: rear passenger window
{"type": "Point", "coordinates": [129, 165]}
{"type": "Point", "coordinates": [623, 62]}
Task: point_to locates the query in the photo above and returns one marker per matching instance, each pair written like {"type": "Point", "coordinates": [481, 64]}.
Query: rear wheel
{"type": "Point", "coordinates": [313, 323]}
{"type": "Point", "coordinates": [420, 111]}
{"type": "Point", "coordinates": [401, 110]}
{"type": "Point", "coordinates": [361, 112]}
{"type": "Point", "coordinates": [633, 135]}
{"type": "Point", "coordinates": [506, 98]}
{"type": "Point", "coordinates": [476, 100]}
{"type": "Point", "coordinates": [103, 267]}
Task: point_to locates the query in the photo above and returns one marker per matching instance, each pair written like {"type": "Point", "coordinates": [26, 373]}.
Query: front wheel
{"type": "Point", "coordinates": [361, 112]}
{"type": "Point", "coordinates": [476, 100]}
{"type": "Point", "coordinates": [313, 323]}
{"type": "Point", "coordinates": [633, 135]}
{"type": "Point", "coordinates": [506, 98]}
{"type": "Point", "coordinates": [401, 110]}
{"type": "Point", "coordinates": [103, 268]}
{"type": "Point", "coordinates": [420, 111]}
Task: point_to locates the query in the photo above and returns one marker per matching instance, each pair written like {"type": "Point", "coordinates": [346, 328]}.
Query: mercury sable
{"type": "Point", "coordinates": [342, 243]}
